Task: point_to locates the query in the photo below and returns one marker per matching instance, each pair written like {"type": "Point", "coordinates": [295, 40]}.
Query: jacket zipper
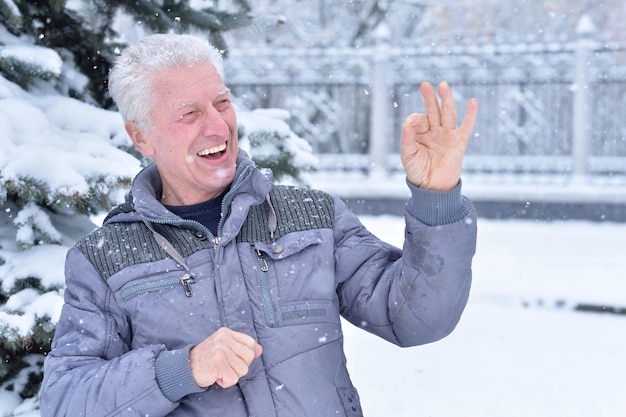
{"type": "Point", "coordinates": [184, 281]}
{"type": "Point", "coordinates": [265, 293]}
{"type": "Point", "coordinates": [215, 239]}
{"type": "Point", "coordinates": [225, 201]}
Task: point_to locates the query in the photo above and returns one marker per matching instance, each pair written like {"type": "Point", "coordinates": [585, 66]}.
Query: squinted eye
{"type": "Point", "coordinates": [186, 116]}
{"type": "Point", "coordinates": [222, 104]}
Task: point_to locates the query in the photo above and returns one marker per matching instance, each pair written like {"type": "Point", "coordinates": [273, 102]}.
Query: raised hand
{"type": "Point", "coordinates": [223, 358]}
{"type": "Point", "coordinates": [431, 146]}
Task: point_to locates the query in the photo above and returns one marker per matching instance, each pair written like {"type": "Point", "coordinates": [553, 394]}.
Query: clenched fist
{"type": "Point", "coordinates": [223, 358]}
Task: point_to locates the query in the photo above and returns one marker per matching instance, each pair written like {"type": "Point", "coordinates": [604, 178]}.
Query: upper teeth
{"type": "Point", "coordinates": [212, 150]}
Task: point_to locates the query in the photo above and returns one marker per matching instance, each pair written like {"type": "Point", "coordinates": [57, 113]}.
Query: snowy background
{"type": "Point", "coordinates": [521, 349]}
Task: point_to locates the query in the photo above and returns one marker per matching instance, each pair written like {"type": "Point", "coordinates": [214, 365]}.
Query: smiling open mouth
{"type": "Point", "coordinates": [213, 152]}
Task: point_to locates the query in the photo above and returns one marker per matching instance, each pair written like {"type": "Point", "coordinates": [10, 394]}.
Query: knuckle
{"type": "Point", "coordinates": [230, 379]}
{"type": "Point", "coordinates": [243, 371]}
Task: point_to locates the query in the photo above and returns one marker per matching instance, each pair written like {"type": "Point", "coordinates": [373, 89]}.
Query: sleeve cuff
{"type": "Point", "coordinates": [436, 208]}
{"type": "Point", "coordinates": [173, 374]}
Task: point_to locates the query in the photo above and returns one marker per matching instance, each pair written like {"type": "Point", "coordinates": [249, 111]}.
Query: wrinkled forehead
{"type": "Point", "coordinates": [185, 86]}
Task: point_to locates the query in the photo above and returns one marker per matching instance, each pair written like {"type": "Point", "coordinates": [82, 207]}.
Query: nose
{"type": "Point", "coordinates": [214, 123]}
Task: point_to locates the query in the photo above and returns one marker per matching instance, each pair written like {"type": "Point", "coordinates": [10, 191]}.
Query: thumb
{"type": "Point", "coordinates": [258, 350]}
{"type": "Point", "coordinates": [415, 124]}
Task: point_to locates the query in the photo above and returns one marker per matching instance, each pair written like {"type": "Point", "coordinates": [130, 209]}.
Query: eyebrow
{"type": "Point", "coordinates": [223, 91]}
{"type": "Point", "coordinates": [220, 93]}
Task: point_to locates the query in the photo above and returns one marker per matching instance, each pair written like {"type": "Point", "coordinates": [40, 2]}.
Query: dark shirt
{"type": "Point", "coordinates": [207, 213]}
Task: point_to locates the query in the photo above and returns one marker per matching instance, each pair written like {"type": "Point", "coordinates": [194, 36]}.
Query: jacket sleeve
{"type": "Point", "coordinates": [91, 370]}
{"type": "Point", "coordinates": [417, 295]}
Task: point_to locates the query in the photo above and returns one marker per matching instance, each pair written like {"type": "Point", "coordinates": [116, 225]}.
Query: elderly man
{"type": "Point", "coordinates": [214, 292]}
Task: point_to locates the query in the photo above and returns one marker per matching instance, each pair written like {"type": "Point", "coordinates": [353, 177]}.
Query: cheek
{"type": "Point", "coordinates": [231, 121]}
{"type": "Point", "coordinates": [233, 137]}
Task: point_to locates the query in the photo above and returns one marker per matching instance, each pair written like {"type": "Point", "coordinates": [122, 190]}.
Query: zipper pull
{"type": "Point", "coordinates": [261, 259]}
{"type": "Point", "coordinates": [186, 280]}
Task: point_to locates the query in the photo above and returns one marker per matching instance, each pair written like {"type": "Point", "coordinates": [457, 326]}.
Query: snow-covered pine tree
{"type": "Point", "coordinates": [64, 154]}
{"type": "Point", "coordinates": [84, 31]}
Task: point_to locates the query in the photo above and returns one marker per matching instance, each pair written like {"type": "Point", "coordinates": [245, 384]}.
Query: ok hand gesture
{"type": "Point", "coordinates": [431, 146]}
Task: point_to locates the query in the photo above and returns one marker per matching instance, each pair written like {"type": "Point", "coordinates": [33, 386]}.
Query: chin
{"type": "Point", "coordinates": [224, 176]}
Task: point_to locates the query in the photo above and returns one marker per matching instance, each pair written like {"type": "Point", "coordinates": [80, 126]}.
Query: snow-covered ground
{"type": "Point", "coordinates": [520, 348]}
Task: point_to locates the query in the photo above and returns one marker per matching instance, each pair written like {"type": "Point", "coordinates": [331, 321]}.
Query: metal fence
{"type": "Point", "coordinates": [544, 108]}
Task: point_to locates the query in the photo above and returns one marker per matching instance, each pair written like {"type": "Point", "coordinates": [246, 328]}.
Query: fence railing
{"type": "Point", "coordinates": [544, 108]}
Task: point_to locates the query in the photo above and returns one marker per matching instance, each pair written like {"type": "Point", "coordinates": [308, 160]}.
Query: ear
{"type": "Point", "coordinates": [139, 138]}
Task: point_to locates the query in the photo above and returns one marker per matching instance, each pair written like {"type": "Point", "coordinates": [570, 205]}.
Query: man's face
{"type": "Point", "coordinates": [193, 137]}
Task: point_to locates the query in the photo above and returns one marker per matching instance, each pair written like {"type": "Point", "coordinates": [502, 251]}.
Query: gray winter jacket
{"type": "Point", "coordinates": [282, 269]}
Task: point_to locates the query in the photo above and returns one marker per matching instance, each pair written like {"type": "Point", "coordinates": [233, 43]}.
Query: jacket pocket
{"type": "Point", "coordinates": [290, 310]}
{"type": "Point", "coordinates": [299, 267]}
{"type": "Point", "coordinates": [165, 304]}
{"type": "Point", "coordinates": [185, 282]}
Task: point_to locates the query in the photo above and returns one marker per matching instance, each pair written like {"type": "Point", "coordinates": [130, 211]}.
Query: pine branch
{"type": "Point", "coordinates": [23, 73]}
{"type": "Point", "coordinates": [25, 189]}
{"type": "Point", "coordinates": [53, 26]}
{"type": "Point", "coordinates": [150, 14]}
{"type": "Point", "coordinates": [10, 16]}
{"type": "Point", "coordinates": [34, 227]}
{"type": "Point", "coordinates": [275, 154]}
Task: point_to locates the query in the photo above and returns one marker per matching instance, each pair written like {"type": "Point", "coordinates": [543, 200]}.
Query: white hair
{"type": "Point", "coordinates": [131, 77]}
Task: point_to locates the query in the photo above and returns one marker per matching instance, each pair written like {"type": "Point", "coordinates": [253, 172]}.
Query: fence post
{"type": "Point", "coordinates": [581, 122]}
{"type": "Point", "coordinates": [379, 108]}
